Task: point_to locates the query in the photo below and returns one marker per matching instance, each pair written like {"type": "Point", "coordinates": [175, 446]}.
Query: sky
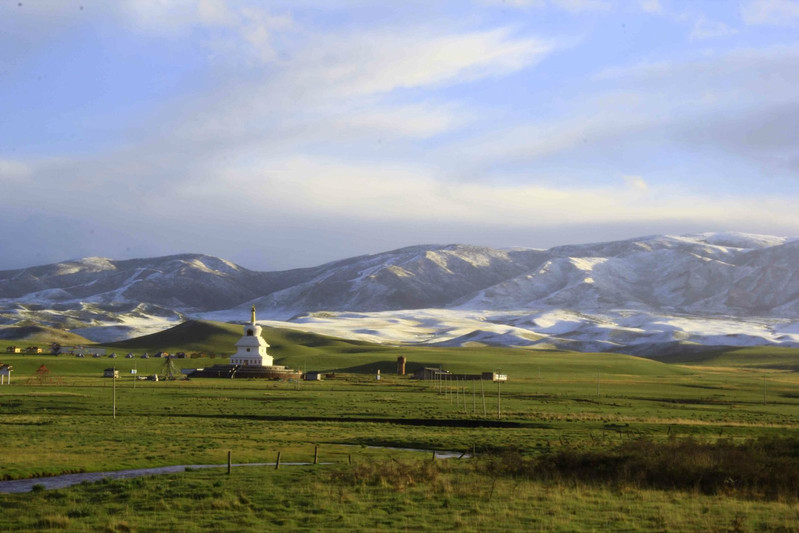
{"type": "Point", "coordinates": [290, 133]}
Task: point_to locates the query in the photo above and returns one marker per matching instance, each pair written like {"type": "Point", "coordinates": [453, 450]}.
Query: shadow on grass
{"type": "Point", "coordinates": [445, 422]}
{"type": "Point", "coordinates": [763, 468]}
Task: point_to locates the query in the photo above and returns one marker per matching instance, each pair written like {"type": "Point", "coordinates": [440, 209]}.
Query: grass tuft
{"type": "Point", "coordinates": [397, 475]}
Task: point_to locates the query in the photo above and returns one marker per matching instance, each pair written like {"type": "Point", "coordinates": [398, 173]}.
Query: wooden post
{"type": "Point", "coordinates": [277, 462]}
{"type": "Point", "coordinates": [316, 454]}
{"type": "Point", "coordinates": [349, 459]}
{"type": "Point", "coordinates": [228, 462]}
{"type": "Point", "coordinates": [114, 377]}
{"type": "Point", "coordinates": [434, 456]}
{"type": "Point", "coordinates": [474, 398]}
{"type": "Point", "coordinates": [764, 390]}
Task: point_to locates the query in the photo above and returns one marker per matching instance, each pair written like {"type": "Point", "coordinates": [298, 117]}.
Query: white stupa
{"type": "Point", "coordinates": [251, 348]}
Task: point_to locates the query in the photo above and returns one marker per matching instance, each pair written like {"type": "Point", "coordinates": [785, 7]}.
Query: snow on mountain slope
{"type": "Point", "coordinates": [180, 281]}
{"type": "Point", "coordinates": [692, 274]}
{"type": "Point", "coordinates": [544, 329]}
{"type": "Point", "coordinates": [408, 278]}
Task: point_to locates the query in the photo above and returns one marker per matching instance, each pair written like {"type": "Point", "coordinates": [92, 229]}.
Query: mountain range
{"type": "Point", "coordinates": [645, 293]}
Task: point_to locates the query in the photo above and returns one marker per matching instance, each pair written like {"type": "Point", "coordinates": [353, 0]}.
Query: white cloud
{"type": "Point", "coordinates": [636, 183]}
{"type": "Point", "coordinates": [709, 29]}
{"type": "Point", "coordinates": [302, 186]}
{"type": "Point", "coordinates": [573, 6]}
{"type": "Point", "coordinates": [579, 6]}
{"type": "Point", "coordinates": [337, 87]}
{"type": "Point", "coordinates": [651, 6]}
{"type": "Point", "coordinates": [370, 63]}
{"type": "Point", "coordinates": [772, 12]}
{"type": "Point", "coordinates": [14, 170]}
{"type": "Point", "coordinates": [238, 30]}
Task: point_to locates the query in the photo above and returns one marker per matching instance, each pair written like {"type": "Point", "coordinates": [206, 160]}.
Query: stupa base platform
{"type": "Point", "coordinates": [246, 372]}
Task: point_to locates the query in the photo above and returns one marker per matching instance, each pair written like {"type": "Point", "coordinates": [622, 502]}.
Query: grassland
{"type": "Point", "coordinates": [555, 401]}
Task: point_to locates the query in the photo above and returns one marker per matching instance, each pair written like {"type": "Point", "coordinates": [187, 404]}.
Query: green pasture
{"type": "Point", "coordinates": [64, 422]}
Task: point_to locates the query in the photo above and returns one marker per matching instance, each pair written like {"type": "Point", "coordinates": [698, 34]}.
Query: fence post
{"type": "Point", "coordinates": [277, 462]}
{"type": "Point", "coordinates": [316, 454]}
{"type": "Point", "coordinates": [228, 462]}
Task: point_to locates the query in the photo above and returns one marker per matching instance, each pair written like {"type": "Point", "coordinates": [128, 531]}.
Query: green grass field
{"type": "Point", "coordinates": [554, 401]}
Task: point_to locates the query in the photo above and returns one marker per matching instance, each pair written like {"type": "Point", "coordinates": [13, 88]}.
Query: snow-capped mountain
{"type": "Point", "coordinates": [710, 288]}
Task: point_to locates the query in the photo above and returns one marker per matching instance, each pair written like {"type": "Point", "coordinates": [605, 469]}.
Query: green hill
{"type": "Point", "coordinates": [310, 351]}
{"type": "Point", "coordinates": [41, 335]}
{"type": "Point", "coordinates": [220, 338]}
{"type": "Point", "coordinates": [763, 357]}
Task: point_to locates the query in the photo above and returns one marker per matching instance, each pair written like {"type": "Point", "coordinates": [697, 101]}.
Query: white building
{"type": "Point", "coordinates": [5, 370]}
{"type": "Point", "coordinates": [251, 348]}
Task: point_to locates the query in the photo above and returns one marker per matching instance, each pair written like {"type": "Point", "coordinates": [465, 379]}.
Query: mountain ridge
{"type": "Point", "coordinates": [660, 279]}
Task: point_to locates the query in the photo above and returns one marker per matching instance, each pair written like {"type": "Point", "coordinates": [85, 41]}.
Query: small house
{"type": "Point", "coordinates": [313, 375]}
{"type": "Point", "coordinates": [14, 349]}
{"type": "Point", "coordinates": [110, 373]}
{"type": "Point", "coordinates": [5, 370]}
{"type": "Point", "coordinates": [129, 356]}
{"type": "Point", "coordinates": [181, 355]}
{"type": "Point", "coordinates": [493, 376]}
{"type": "Point", "coordinates": [33, 349]}
{"type": "Point", "coordinates": [113, 356]}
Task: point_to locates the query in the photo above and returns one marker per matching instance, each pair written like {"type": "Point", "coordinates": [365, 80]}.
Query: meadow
{"type": "Point", "coordinates": [571, 442]}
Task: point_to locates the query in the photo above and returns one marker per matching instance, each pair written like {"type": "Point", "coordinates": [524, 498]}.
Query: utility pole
{"type": "Point", "coordinates": [114, 378]}
{"type": "Point", "coordinates": [597, 384]}
{"type": "Point", "coordinates": [764, 390]}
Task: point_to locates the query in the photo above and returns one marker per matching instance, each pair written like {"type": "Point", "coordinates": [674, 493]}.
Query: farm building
{"type": "Point", "coordinates": [110, 373]}
{"type": "Point", "coordinates": [313, 375]}
{"type": "Point", "coordinates": [428, 373]}
{"type": "Point", "coordinates": [14, 349]}
{"type": "Point", "coordinates": [33, 349]}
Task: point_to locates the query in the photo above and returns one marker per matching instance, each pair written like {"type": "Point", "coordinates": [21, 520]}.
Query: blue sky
{"type": "Point", "coordinates": [286, 134]}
